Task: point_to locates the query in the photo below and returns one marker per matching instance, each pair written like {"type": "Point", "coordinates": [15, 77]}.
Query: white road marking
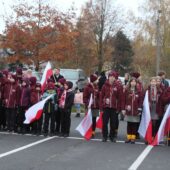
{"type": "Point", "coordinates": [141, 158]}
{"type": "Point", "coordinates": [25, 147]}
{"type": "Point", "coordinates": [76, 138]}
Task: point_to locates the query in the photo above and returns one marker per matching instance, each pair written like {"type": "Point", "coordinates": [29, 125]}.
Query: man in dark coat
{"type": "Point", "coordinates": [56, 76]}
{"type": "Point", "coordinates": [162, 75]}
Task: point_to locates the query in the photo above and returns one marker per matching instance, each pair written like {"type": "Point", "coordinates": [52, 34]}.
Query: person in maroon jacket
{"type": "Point", "coordinates": [155, 105]}
{"type": "Point", "coordinates": [35, 97]}
{"type": "Point", "coordinates": [166, 96]}
{"type": "Point", "coordinates": [132, 107]}
{"type": "Point", "coordinates": [1, 97]}
{"type": "Point", "coordinates": [165, 100]}
{"type": "Point", "coordinates": [60, 90]}
{"type": "Point", "coordinates": [66, 102]}
{"type": "Point", "coordinates": [23, 104]}
{"type": "Point", "coordinates": [3, 113]}
{"type": "Point", "coordinates": [92, 89]}
{"type": "Point", "coordinates": [10, 99]}
{"type": "Point", "coordinates": [19, 75]}
{"type": "Point", "coordinates": [109, 96]}
{"type": "Point", "coordinates": [119, 85]}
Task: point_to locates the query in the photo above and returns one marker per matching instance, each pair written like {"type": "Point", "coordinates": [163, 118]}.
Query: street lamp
{"type": "Point", "coordinates": [158, 43]}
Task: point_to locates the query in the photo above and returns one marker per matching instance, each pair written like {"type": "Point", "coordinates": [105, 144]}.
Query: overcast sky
{"type": "Point", "coordinates": [64, 5]}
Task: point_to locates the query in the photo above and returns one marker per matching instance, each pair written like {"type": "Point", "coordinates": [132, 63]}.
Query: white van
{"type": "Point", "coordinates": [77, 76]}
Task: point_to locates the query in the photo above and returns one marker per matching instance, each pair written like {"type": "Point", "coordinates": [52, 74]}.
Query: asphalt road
{"type": "Point", "coordinates": [74, 153]}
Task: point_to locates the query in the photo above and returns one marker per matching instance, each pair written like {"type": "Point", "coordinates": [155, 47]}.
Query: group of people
{"type": "Point", "coordinates": [113, 97]}
{"type": "Point", "coordinates": [109, 96]}
{"type": "Point", "coordinates": [18, 92]}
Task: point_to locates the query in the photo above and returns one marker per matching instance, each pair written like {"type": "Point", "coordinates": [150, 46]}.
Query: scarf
{"type": "Point", "coordinates": [62, 99]}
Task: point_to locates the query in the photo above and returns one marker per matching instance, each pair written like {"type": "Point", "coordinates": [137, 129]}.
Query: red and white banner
{"type": "Point", "coordinates": [48, 72]}
{"type": "Point", "coordinates": [35, 111]}
{"type": "Point", "coordinates": [85, 126]}
{"type": "Point", "coordinates": [99, 121]}
{"type": "Point", "coordinates": [145, 127]}
{"type": "Point", "coordinates": [164, 128]}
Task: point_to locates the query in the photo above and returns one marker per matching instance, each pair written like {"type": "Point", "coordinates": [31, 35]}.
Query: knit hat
{"type": "Point", "coordinates": [26, 80]}
{"type": "Point", "coordinates": [113, 73]}
{"type": "Point", "coordinates": [19, 71]}
{"type": "Point", "coordinates": [69, 84]}
{"type": "Point", "coordinates": [62, 81]}
{"type": "Point", "coordinates": [135, 75]}
{"type": "Point", "coordinates": [14, 77]}
{"type": "Point", "coordinates": [38, 85]}
{"type": "Point", "coordinates": [93, 78]}
{"type": "Point", "coordinates": [50, 86]}
{"type": "Point", "coordinates": [5, 72]}
{"type": "Point", "coordinates": [33, 81]}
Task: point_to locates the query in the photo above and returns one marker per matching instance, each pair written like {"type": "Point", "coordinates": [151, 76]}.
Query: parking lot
{"type": "Point", "coordinates": [28, 152]}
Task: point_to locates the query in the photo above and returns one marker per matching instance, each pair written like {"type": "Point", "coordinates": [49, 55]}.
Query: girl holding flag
{"type": "Point", "coordinates": [92, 88]}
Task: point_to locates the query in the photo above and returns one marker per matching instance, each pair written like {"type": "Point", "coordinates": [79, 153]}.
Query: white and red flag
{"type": "Point", "coordinates": [48, 72]}
{"type": "Point", "coordinates": [35, 111]}
{"type": "Point", "coordinates": [85, 126]}
{"type": "Point", "coordinates": [99, 121]}
{"type": "Point", "coordinates": [164, 128]}
{"type": "Point", "coordinates": [145, 127]}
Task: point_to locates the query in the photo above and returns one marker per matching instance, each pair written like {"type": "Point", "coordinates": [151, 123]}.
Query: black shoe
{"type": "Point", "coordinates": [45, 134]}
{"type": "Point", "coordinates": [132, 141]}
{"type": "Point", "coordinates": [104, 140]}
{"type": "Point", "coordinates": [128, 141]}
{"type": "Point", "coordinates": [61, 135]}
{"type": "Point", "coordinates": [77, 115]}
{"type": "Point", "coordinates": [51, 134]}
{"type": "Point", "coordinates": [66, 135]}
{"type": "Point", "coordinates": [146, 143]}
{"type": "Point", "coordinates": [113, 140]}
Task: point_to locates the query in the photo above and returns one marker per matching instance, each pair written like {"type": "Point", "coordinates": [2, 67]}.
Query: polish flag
{"type": "Point", "coordinates": [85, 126]}
{"type": "Point", "coordinates": [99, 121]}
{"type": "Point", "coordinates": [145, 127]}
{"type": "Point", "coordinates": [35, 111]}
{"type": "Point", "coordinates": [164, 128]}
{"type": "Point", "coordinates": [46, 75]}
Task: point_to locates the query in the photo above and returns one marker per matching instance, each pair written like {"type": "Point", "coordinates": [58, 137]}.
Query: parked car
{"type": "Point", "coordinates": [77, 76]}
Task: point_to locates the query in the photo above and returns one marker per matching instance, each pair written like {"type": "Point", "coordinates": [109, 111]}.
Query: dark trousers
{"type": "Point", "coordinates": [37, 125]}
{"type": "Point", "coordinates": [2, 116]}
{"type": "Point", "coordinates": [132, 128]}
{"type": "Point", "coordinates": [58, 120]}
{"type": "Point", "coordinates": [109, 114]}
{"type": "Point", "coordinates": [93, 123]}
{"type": "Point", "coordinates": [21, 118]}
{"type": "Point", "coordinates": [65, 121]}
{"type": "Point", "coordinates": [155, 127]}
{"type": "Point", "coordinates": [49, 118]}
{"type": "Point", "coordinates": [11, 118]}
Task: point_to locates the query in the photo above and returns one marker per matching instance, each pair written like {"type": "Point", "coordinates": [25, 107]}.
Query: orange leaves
{"type": "Point", "coordinates": [40, 33]}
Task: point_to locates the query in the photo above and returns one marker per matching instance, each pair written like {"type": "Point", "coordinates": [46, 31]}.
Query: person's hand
{"type": "Point", "coordinates": [128, 108]}
{"type": "Point", "coordinates": [123, 112]}
{"type": "Point", "coordinates": [107, 101]}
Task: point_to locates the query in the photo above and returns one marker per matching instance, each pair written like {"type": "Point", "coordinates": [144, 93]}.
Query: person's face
{"type": "Point", "coordinates": [23, 83]}
{"type": "Point", "coordinates": [111, 79]}
{"type": "Point", "coordinates": [153, 82]}
{"type": "Point", "coordinates": [133, 83]}
{"type": "Point", "coordinates": [163, 76]}
{"type": "Point", "coordinates": [57, 71]}
{"type": "Point", "coordinates": [12, 80]}
{"type": "Point", "coordinates": [126, 76]}
{"type": "Point", "coordinates": [65, 87]}
{"type": "Point", "coordinates": [158, 82]}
